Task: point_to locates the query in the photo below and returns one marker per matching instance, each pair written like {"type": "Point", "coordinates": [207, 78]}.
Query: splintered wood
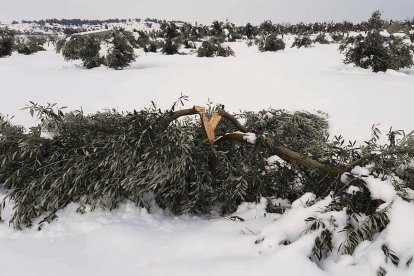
{"type": "Point", "coordinates": [209, 125]}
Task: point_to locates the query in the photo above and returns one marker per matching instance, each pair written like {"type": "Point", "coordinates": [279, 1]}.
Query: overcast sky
{"type": "Point", "coordinates": [204, 11]}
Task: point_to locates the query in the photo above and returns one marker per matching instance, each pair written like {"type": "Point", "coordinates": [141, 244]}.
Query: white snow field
{"type": "Point", "coordinates": [130, 241]}
{"type": "Point", "coordinates": [304, 79]}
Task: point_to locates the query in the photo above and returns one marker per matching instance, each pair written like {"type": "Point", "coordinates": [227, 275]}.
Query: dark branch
{"type": "Point", "coordinates": [286, 154]}
{"type": "Point", "coordinates": [233, 120]}
{"type": "Point", "coordinates": [185, 112]}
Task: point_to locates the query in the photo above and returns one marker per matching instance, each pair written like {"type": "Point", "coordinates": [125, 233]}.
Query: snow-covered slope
{"type": "Point", "coordinates": [58, 29]}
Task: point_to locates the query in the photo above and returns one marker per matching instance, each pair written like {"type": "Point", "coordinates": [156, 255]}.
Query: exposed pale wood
{"type": "Point", "coordinates": [199, 109]}
{"type": "Point", "coordinates": [215, 120]}
{"type": "Point", "coordinates": [288, 155]}
{"type": "Point", "coordinates": [184, 112]}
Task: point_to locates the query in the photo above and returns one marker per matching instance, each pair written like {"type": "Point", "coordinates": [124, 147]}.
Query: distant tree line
{"type": "Point", "coordinates": [368, 44]}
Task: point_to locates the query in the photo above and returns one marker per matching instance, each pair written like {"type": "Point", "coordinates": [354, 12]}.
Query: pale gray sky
{"type": "Point", "coordinates": [204, 11]}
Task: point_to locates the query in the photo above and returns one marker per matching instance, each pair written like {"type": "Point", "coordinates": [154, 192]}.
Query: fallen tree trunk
{"type": "Point", "coordinates": [288, 155]}
{"type": "Point", "coordinates": [284, 153]}
{"type": "Point", "coordinates": [292, 157]}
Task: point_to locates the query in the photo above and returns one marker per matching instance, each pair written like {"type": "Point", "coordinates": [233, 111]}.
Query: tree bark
{"type": "Point", "coordinates": [285, 153]}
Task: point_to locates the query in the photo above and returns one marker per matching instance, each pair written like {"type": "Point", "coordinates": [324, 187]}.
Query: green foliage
{"type": "Point", "coordinates": [121, 54]}
{"type": "Point", "coordinates": [145, 42]}
{"type": "Point", "coordinates": [337, 37]}
{"type": "Point", "coordinates": [358, 232]}
{"type": "Point", "coordinates": [59, 45]}
{"type": "Point", "coordinates": [188, 44]}
{"type": "Point", "coordinates": [213, 48]}
{"type": "Point", "coordinates": [377, 52]}
{"type": "Point", "coordinates": [266, 27]}
{"type": "Point", "coordinates": [30, 45]}
{"type": "Point", "coordinates": [85, 48]}
{"type": "Point", "coordinates": [271, 43]}
{"type": "Point", "coordinates": [151, 47]}
{"type": "Point", "coordinates": [376, 22]}
{"type": "Point", "coordinates": [108, 157]}
{"type": "Point", "coordinates": [321, 39]}
{"type": "Point", "coordinates": [7, 41]}
{"type": "Point", "coordinates": [170, 47]}
{"type": "Point", "coordinates": [250, 31]}
{"type": "Point", "coordinates": [302, 41]}
{"type": "Point", "coordinates": [323, 245]}
{"type": "Point", "coordinates": [105, 158]}
{"type": "Point", "coordinates": [169, 30]}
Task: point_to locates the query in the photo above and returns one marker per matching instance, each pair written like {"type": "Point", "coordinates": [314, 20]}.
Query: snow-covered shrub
{"type": "Point", "coordinates": [105, 158]}
{"type": "Point", "coordinates": [188, 44]}
{"type": "Point", "coordinates": [377, 52]}
{"type": "Point", "coordinates": [321, 39]}
{"type": "Point", "coordinates": [217, 29]}
{"type": "Point", "coordinates": [143, 39]}
{"type": "Point", "coordinates": [121, 53]}
{"type": "Point", "coordinates": [30, 45]}
{"type": "Point", "coordinates": [271, 43]}
{"type": "Point", "coordinates": [337, 37]}
{"type": "Point", "coordinates": [146, 43]}
{"type": "Point", "coordinates": [85, 48]}
{"type": "Point", "coordinates": [266, 27]}
{"type": "Point", "coordinates": [302, 41]}
{"type": "Point", "coordinates": [375, 23]}
{"type": "Point", "coordinates": [249, 31]}
{"type": "Point", "coordinates": [59, 45]}
{"type": "Point", "coordinates": [213, 48]}
{"type": "Point", "coordinates": [7, 41]}
{"type": "Point", "coordinates": [170, 47]}
{"type": "Point", "coordinates": [111, 156]}
{"type": "Point", "coordinates": [151, 46]}
{"type": "Point", "coordinates": [169, 30]}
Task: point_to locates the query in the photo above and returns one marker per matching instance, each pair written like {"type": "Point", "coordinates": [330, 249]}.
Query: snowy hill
{"type": "Point", "coordinates": [45, 28]}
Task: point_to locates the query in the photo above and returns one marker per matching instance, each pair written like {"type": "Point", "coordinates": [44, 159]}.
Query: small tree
{"type": "Point", "coordinates": [188, 44]}
{"type": "Point", "coordinates": [169, 30]}
{"type": "Point", "coordinates": [337, 37]}
{"type": "Point", "coordinates": [267, 27]}
{"type": "Point", "coordinates": [271, 43]}
{"type": "Point", "coordinates": [145, 42]}
{"type": "Point", "coordinates": [30, 45]}
{"type": "Point", "coordinates": [302, 41]}
{"type": "Point", "coordinates": [377, 52]}
{"type": "Point", "coordinates": [212, 48]}
{"type": "Point", "coordinates": [375, 22]}
{"type": "Point", "coordinates": [151, 46]}
{"type": "Point", "coordinates": [249, 31]}
{"type": "Point", "coordinates": [85, 48]}
{"type": "Point", "coordinates": [59, 45]}
{"type": "Point", "coordinates": [321, 39]}
{"type": "Point", "coordinates": [121, 54]}
{"type": "Point", "coordinates": [170, 47]}
{"type": "Point", "coordinates": [6, 42]}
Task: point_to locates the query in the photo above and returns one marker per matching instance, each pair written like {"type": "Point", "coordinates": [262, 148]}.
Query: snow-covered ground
{"type": "Point", "coordinates": [309, 79]}
{"type": "Point", "coordinates": [58, 29]}
{"type": "Point", "coordinates": [129, 241]}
